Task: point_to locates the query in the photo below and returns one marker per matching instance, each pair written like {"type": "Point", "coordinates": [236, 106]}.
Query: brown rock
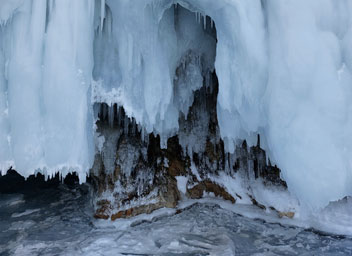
{"type": "Point", "coordinates": [103, 202]}
{"type": "Point", "coordinates": [218, 191]}
{"type": "Point", "coordinates": [101, 216]}
{"type": "Point", "coordinates": [286, 214]}
{"type": "Point", "coordinates": [171, 196]}
{"type": "Point", "coordinates": [118, 215]}
{"type": "Point", "coordinates": [209, 186]}
{"type": "Point", "coordinates": [103, 211]}
{"type": "Point", "coordinates": [254, 202]}
{"type": "Point", "coordinates": [196, 192]}
{"type": "Point", "coordinates": [129, 212]}
{"type": "Point", "coordinates": [176, 168]}
{"type": "Point", "coordinates": [210, 151]}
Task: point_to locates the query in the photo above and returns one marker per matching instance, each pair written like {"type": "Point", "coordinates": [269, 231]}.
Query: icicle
{"type": "Point", "coordinates": [197, 17]}
{"type": "Point", "coordinates": [205, 22]}
{"type": "Point", "coordinates": [146, 136]}
{"type": "Point", "coordinates": [102, 14]}
{"type": "Point", "coordinates": [207, 80]}
{"type": "Point", "coordinates": [125, 125]}
{"type": "Point", "coordinates": [111, 115]}
{"type": "Point", "coordinates": [119, 117]}
{"type": "Point", "coordinates": [133, 127]}
{"type": "Point", "coordinates": [211, 85]}
{"type": "Point", "coordinates": [96, 111]}
{"type": "Point", "coordinates": [104, 107]}
{"type": "Point", "coordinates": [142, 135]}
{"type": "Point", "coordinates": [163, 141]}
{"type": "Point", "coordinates": [100, 111]}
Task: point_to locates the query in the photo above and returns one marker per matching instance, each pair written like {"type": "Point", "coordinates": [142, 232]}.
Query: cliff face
{"type": "Point", "coordinates": [132, 174]}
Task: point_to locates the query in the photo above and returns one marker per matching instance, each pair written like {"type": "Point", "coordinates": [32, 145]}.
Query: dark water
{"type": "Point", "coordinates": [57, 220]}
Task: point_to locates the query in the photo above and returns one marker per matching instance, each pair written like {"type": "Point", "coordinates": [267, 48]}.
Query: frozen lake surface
{"type": "Point", "coordinates": [58, 221]}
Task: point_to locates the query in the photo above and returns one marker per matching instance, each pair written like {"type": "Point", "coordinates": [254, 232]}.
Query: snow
{"type": "Point", "coordinates": [284, 70]}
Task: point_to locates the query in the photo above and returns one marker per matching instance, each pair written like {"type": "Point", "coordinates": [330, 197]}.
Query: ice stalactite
{"type": "Point", "coordinates": [23, 40]}
{"type": "Point", "coordinates": [48, 60]}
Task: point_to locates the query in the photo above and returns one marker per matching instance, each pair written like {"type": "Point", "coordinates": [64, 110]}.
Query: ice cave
{"type": "Point", "coordinates": [175, 127]}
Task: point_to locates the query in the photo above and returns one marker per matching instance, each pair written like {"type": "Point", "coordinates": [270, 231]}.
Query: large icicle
{"type": "Point", "coordinates": [66, 80]}
{"type": "Point", "coordinates": [23, 44]}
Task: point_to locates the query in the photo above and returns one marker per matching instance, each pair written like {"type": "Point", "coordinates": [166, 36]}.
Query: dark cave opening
{"type": "Point", "coordinates": [13, 182]}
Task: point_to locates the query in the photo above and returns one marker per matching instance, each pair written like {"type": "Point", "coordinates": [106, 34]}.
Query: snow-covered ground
{"type": "Point", "coordinates": [58, 221]}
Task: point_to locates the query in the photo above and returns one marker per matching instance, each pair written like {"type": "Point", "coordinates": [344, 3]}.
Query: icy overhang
{"type": "Point", "coordinates": [284, 70]}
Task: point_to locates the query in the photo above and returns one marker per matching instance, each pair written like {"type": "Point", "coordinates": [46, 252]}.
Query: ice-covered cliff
{"type": "Point", "coordinates": [284, 70]}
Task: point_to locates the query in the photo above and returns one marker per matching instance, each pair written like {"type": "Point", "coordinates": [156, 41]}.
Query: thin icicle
{"type": "Point", "coordinates": [102, 14]}
{"type": "Point", "coordinates": [104, 112]}
{"type": "Point", "coordinates": [142, 134]}
{"type": "Point", "coordinates": [125, 125]}
{"type": "Point", "coordinates": [133, 131]}
{"type": "Point", "coordinates": [207, 80]}
{"type": "Point", "coordinates": [111, 116]}
{"type": "Point", "coordinates": [119, 115]}
{"type": "Point", "coordinates": [146, 136]}
{"type": "Point", "coordinates": [205, 22]}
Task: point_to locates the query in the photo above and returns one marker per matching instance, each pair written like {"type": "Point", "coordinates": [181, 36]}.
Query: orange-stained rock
{"type": "Point", "coordinates": [103, 211]}
{"type": "Point", "coordinates": [118, 215]}
{"type": "Point", "coordinates": [101, 216]}
{"type": "Point", "coordinates": [129, 212]}
{"type": "Point", "coordinates": [286, 214]}
{"type": "Point", "coordinates": [209, 186]}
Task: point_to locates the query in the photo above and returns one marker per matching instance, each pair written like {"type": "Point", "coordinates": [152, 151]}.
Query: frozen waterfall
{"type": "Point", "coordinates": [284, 70]}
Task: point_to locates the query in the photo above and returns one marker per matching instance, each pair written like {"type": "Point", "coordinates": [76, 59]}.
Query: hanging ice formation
{"type": "Point", "coordinates": [284, 70]}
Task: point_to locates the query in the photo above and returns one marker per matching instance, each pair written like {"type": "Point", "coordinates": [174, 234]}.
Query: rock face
{"type": "Point", "coordinates": [132, 174]}
{"type": "Point", "coordinates": [198, 190]}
